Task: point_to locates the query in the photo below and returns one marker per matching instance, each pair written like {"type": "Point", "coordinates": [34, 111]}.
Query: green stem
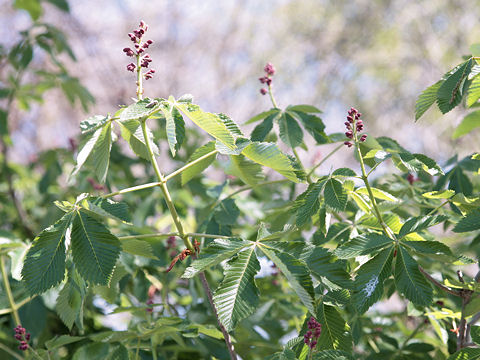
{"type": "Point", "coordinates": [378, 215]}
{"type": "Point", "coordinates": [8, 290]}
{"type": "Point", "coordinates": [166, 193]}
{"type": "Point", "coordinates": [272, 98]}
{"type": "Point", "coordinates": [439, 207]}
{"type": "Point", "coordinates": [325, 159]}
{"type": "Point", "coordinates": [132, 189]}
{"type": "Point", "coordinates": [19, 305]}
{"type": "Point", "coordinates": [139, 79]}
{"type": "Point", "coordinates": [189, 165]}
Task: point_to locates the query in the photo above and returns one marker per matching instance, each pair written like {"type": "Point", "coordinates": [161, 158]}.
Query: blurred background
{"type": "Point", "coordinates": [376, 55]}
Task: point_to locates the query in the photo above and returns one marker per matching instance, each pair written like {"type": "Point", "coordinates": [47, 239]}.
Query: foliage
{"type": "Point", "coordinates": [334, 247]}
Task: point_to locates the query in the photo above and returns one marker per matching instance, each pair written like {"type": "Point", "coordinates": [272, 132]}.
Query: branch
{"type": "Point", "coordinates": [438, 284]}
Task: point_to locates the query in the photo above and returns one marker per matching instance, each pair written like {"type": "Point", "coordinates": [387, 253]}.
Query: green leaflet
{"type": "Point", "coordinates": [378, 194]}
{"type": "Point", "coordinates": [269, 155]}
{"type": "Point", "coordinates": [138, 247]}
{"type": "Point", "coordinates": [308, 202]}
{"type": "Point", "coordinates": [370, 278]}
{"type": "Point", "coordinates": [131, 131]}
{"type": "Point", "coordinates": [469, 122]}
{"type": "Point", "coordinates": [69, 304]}
{"type": "Point", "coordinates": [263, 115]}
{"type": "Point", "coordinates": [451, 91]}
{"type": "Point", "coordinates": [297, 274]}
{"type": "Point", "coordinates": [420, 223]}
{"type": "Point", "coordinates": [217, 251]}
{"type": "Point", "coordinates": [335, 195]}
{"type": "Point", "coordinates": [429, 247]}
{"type": "Point", "coordinates": [407, 162]}
{"type": "Point", "coordinates": [92, 351]}
{"type": "Point", "coordinates": [95, 250]}
{"type": "Point", "coordinates": [443, 194]}
{"type": "Point", "coordinates": [140, 109]}
{"type": "Point", "coordinates": [473, 92]}
{"type": "Point", "coordinates": [175, 127]}
{"type": "Point", "coordinates": [290, 132]}
{"type": "Point", "coordinates": [470, 222]}
{"type": "Point", "coordinates": [44, 264]}
{"type": "Point", "coordinates": [313, 124]}
{"type": "Point", "coordinates": [226, 212]}
{"type": "Point", "coordinates": [475, 333]}
{"type": "Point", "coordinates": [196, 169]}
{"type": "Point", "coordinates": [426, 99]}
{"type": "Point", "coordinates": [209, 122]}
{"type": "Point", "coordinates": [304, 108]}
{"type": "Point", "coordinates": [332, 355]}
{"type": "Point", "coordinates": [61, 341]}
{"type": "Point", "coordinates": [263, 129]}
{"type": "Point", "coordinates": [97, 147]}
{"type": "Point", "coordinates": [466, 354]}
{"type": "Point", "coordinates": [335, 331]}
{"type": "Point", "coordinates": [324, 264]}
{"type": "Point", "coordinates": [108, 208]}
{"type": "Point", "coordinates": [410, 281]}
{"type": "Point", "coordinates": [237, 296]}
{"type": "Point", "coordinates": [362, 245]}
{"type": "Point", "coordinates": [248, 171]}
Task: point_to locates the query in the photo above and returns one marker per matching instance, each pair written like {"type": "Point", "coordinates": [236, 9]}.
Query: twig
{"type": "Point", "coordinates": [438, 284]}
{"type": "Point", "coordinates": [226, 335]}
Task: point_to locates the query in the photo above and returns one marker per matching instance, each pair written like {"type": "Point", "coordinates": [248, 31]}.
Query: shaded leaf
{"type": "Point", "coordinates": [363, 245]}
{"type": "Point", "coordinates": [335, 331]}
{"type": "Point", "coordinates": [196, 169]}
{"type": "Point", "coordinates": [470, 222]}
{"type": "Point", "coordinates": [426, 99]}
{"type": "Point", "coordinates": [335, 195]}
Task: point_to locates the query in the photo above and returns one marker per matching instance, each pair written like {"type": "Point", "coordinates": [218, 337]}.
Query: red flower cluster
{"type": "Point", "coordinates": [269, 71]}
{"type": "Point", "coordinates": [354, 122]}
{"type": "Point", "coordinates": [314, 330]}
{"type": "Point", "coordinates": [139, 48]}
{"type": "Point", "coordinates": [22, 336]}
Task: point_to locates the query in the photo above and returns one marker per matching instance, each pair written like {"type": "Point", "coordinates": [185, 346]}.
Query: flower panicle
{"type": "Point", "coordinates": [269, 70]}
{"type": "Point", "coordinates": [138, 50]}
{"type": "Point", "coordinates": [354, 125]}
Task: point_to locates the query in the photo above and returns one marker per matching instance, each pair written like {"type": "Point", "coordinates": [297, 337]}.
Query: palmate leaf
{"type": "Point", "coordinates": [209, 122]}
{"type": "Point", "coordinates": [263, 115]}
{"type": "Point", "coordinates": [269, 155]}
{"type": "Point", "coordinates": [420, 223]}
{"type": "Point", "coordinates": [95, 250]}
{"type": "Point", "coordinates": [335, 195]}
{"type": "Point", "coordinates": [410, 281]}
{"type": "Point", "coordinates": [426, 99]}
{"type": "Point", "coordinates": [237, 296]}
{"type": "Point", "coordinates": [470, 222]}
{"type": "Point", "coordinates": [314, 125]}
{"type": "Point", "coordinates": [196, 169]}
{"type": "Point", "coordinates": [248, 171]}
{"type": "Point", "coordinates": [290, 132]}
{"type": "Point", "coordinates": [217, 251]}
{"type": "Point", "coordinates": [335, 331]}
{"type": "Point", "coordinates": [175, 127]}
{"type": "Point", "coordinates": [370, 278]}
{"type": "Point", "coordinates": [363, 245]}
{"type": "Point", "coordinates": [297, 274]}
{"type": "Point", "coordinates": [131, 131]}
{"type": "Point", "coordinates": [44, 264]}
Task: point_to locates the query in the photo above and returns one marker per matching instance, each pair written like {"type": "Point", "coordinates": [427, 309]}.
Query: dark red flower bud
{"type": "Point", "coordinates": [131, 67]}
{"type": "Point", "coordinates": [348, 143]}
{"type": "Point", "coordinates": [263, 91]}
{"type": "Point", "coordinates": [363, 138]}
{"type": "Point", "coordinates": [269, 81]}
{"type": "Point", "coordinates": [349, 134]}
{"type": "Point", "coordinates": [350, 119]}
{"type": "Point", "coordinates": [149, 42]}
{"type": "Point", "coordinates": [269, 69]}
{"type": "Point", "coordinates": [313, 344]}
{"type": "Point", "coordinates": [359, 115]}
{"type": "Point", "coordinates": [18, 337]}
{"type": "Point", "coordinates": [27, 336]}
{"type": "Point", "coordinates": [347, 124]}
{"type": "Point", "coordinates": [132, 37]}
